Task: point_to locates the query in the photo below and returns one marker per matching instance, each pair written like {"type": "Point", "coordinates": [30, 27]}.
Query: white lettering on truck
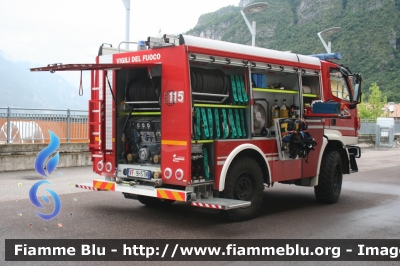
{"type": "Point", "coordinates": [136, 58]}
{"type": "Point", "coordinates": [123, 60]}
{"type": "Point", "coordinates": [151, 57]}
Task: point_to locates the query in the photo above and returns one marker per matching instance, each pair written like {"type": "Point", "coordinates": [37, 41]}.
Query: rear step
{"type": "Point", "coordinates": [220, 203]}
{"type": "Point", "coordinates": [213, 203]}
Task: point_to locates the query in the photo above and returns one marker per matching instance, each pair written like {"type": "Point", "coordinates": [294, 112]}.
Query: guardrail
{"type": "Point", "coordinates": [27, 125]}
{"type": "Point", "coordinates": [384, 136]}
{"type": "Point", "coordinates": [368, 127]}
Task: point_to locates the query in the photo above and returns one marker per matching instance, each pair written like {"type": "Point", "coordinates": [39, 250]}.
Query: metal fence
{"type": "Point", "coordinates": [25, 125]}
{"type": "Point", "coordinates": [384, 137]}
{"type": "Point", "coordinates": [32, 125]}
{"type": "Point", "coordinates": [368, 127]}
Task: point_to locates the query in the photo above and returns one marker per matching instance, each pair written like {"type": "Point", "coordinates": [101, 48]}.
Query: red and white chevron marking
{"type": "Point", "coordinates": [205, 205]}
{"type": "Point", "coordinates": [86, 187]}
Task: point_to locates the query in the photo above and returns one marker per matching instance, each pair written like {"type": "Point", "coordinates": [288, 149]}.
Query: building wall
{"type": "Point", "coordinates": [15, 157]}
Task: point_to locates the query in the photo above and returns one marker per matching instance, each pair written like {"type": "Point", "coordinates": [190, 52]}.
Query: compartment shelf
{"type": "Point", "coordinates": [275, 90]}
{"type": "Point", "coordinates": [310, 95]}
{"type": "Point", "coordinates": [220, 105]}
{"type": "Point", "coordinates": [200, 141]}
{"type": "Point", "coordinates": [146, 113]}
{"type": "Point", "coordinates": [318, 116]}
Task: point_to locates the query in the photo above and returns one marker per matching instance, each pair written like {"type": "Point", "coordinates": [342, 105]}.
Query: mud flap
{"type": "Point", "coordinates": [354, 152]}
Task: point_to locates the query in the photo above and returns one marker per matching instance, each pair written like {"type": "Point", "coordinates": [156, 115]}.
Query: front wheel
{"type": "Point", "coordinates": [244, 181]}
{"type": "Point", "coordinates": [330, 178]}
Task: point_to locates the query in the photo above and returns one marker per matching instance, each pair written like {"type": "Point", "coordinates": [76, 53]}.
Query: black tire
{"type": "Point", "coordinates": [244, 181]}
{"type": "Point", "coordinates": [330, 178]}
{"type": "Point", "coordinates": [154, 202]}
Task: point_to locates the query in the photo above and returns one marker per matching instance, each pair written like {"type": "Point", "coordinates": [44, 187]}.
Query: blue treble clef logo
{"type": "Point", "coordinates": [35, 201]}
{"type": "Point", "coordinates": [50, 166]}
{"type": "Point", "coordinates": [45, 153]}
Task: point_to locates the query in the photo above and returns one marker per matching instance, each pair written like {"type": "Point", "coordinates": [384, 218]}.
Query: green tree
{"type": "Point", "coordinates": [372, 108]}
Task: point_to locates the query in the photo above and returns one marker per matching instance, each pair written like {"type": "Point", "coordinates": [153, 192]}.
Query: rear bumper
{"type": "Point", "coordinates": [143, 190]}
{"type": "Point", "coordinates": [131, 190]}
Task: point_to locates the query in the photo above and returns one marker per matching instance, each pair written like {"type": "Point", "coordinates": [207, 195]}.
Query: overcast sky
{"type": "Point", "coordinates": [54, 31]}
{"type": "Point", "coordinates": [61, 31]}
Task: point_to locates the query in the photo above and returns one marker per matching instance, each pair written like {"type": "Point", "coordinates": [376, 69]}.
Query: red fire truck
{"type": "Point", "coordinates": [213, 123]}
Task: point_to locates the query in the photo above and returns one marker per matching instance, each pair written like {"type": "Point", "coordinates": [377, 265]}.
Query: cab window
{"type": "Point", "coordinates": [339, 86]}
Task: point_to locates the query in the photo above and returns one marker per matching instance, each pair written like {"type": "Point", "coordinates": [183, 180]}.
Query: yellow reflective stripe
{"type": "Point", "coordinates": [163, 194]}
{"type": "Point", "coordinates": [177, 196]}
{"type": "Point", "coordinates": [104, 185]}
{"type": "Point", "coordinates": [97, 184]}
{"type": "Point", "coordinates": [109, 186]}
{"type": "Point", "coordinates": [174, 142]}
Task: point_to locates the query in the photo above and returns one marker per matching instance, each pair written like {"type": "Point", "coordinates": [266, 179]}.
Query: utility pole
{"type": "Point", "coordinates": [127, 4]}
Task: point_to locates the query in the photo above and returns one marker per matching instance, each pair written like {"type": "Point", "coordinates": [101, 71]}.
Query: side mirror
{"type": "Point", "coordinates": [357, 89]}
{"type": "Point", "coordinates": [356, 82]}
{"type": "Point", "coordinates": [345, 71]}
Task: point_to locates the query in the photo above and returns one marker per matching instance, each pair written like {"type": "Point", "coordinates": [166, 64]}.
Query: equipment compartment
{"type": "Point", "coordinates": [220, 99]}
{"type": "Point", "coordinates": [139, 117]}
{"type": "Point", "coordinates": [202, 167]}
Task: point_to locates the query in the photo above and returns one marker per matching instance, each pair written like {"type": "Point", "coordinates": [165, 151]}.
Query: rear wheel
{"type": "Point", "coordinates": [330, 178]}
{"type": "Point", "coordinates": [244, 181]}
{"type": "Point", "coordinates": [154, 202]}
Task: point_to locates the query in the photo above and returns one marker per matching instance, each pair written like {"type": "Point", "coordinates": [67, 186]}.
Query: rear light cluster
{"type": "Point", "coordinates": [108, 167]}
{"type": "Point", "coordinates": [178, 173]}
{"type": "Point", "coordinates": [167, 173]}
{"type": "Point", "coordinates": [100, 166]}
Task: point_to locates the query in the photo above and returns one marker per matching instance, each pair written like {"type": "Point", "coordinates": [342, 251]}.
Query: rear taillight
{"type": "Point", "coordinates": [358, 123]}
{"type": "Point", "coordinates": [167, 173]}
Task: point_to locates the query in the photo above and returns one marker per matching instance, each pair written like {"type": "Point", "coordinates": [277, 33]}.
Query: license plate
{"type": "Point", "coordinates": [138, 173]}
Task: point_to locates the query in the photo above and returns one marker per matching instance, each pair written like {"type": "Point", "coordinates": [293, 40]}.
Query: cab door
{"type": "Point", "coordinates": [337, 87]}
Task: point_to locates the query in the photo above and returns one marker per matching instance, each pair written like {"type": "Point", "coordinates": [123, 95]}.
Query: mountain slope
{"type": "Point", "coordinates": [369, 39]}
{"type": "Point", "coordinates": [21, 88]}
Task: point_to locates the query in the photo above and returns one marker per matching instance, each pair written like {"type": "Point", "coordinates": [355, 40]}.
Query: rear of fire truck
{"type": "Point", "coordinates": [170, 125]}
